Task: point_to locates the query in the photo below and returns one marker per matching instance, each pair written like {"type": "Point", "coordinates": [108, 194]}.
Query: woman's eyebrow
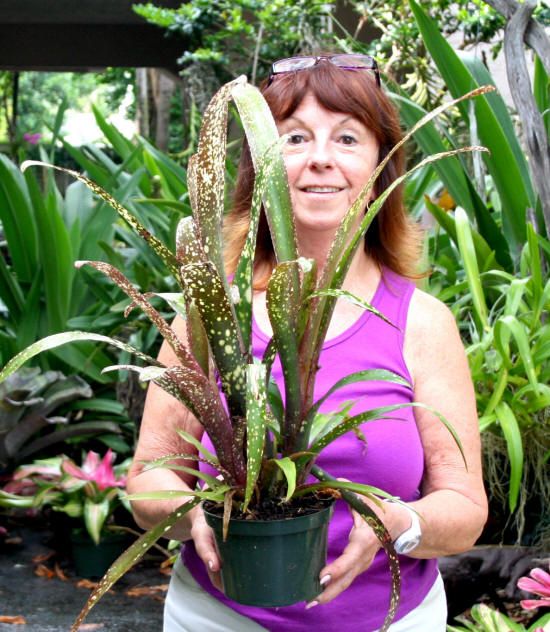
{"type": "Point", "coordinates": [292, 120]}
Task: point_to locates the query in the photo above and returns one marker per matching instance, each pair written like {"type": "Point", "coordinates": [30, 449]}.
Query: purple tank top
{"type": "Point", "coordinates": [391, 459]}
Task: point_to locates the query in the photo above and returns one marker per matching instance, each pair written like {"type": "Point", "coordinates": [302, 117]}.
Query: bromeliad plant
{"type": "Point", "coordinates": [89, 494]}
{"type": "Point", "coordinates": [264, 450]}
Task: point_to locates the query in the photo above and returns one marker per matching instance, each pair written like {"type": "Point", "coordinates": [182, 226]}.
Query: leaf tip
{"type": "Point", "coordinates": [28, 163]}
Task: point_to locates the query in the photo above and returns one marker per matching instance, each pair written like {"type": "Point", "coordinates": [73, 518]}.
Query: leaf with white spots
{"type": "Point", "coordinates": [188, 244]}
{"type": "Point", "coordinates": [205, 288]}
{"type": "Point", "coordinates": [57, 340]}
{"type": "Point", "coordinates": [283, 306]}
{"type": "Point", "coordinates": [242, 280]}
{"type": "Point", "coordinates": [130, 557]}
{"type": "Point", "coordinates": [354, 300]}
{"type": "Point", "coordinates": [256, 401]}
{"type": "Point", "coordinates": [262, 134]}
{"type": "Point", "coordinates": [349, 493]}
{"type": "Point", "coordinates": [202, 397]}
{"type": "Point", "coordinates": [166, 331]}
{"type": "Point", "coordinates": [162, 251]}
{"type": "Point", "coordinates": [206, 175]}
{"type": "Point", "coordinates": [371, 375]}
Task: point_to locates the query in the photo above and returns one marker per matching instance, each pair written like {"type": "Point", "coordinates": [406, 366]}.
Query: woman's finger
{"type": "Point", "coordinates": [205, 546]}
{"type": "Point", "coordinates": [355, 559]}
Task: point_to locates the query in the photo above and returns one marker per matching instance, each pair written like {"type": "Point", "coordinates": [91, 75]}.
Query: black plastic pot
{"type": "Point", "coordinates": [92, 560]}
{"type": "Point", "coordinates": [272, 563]}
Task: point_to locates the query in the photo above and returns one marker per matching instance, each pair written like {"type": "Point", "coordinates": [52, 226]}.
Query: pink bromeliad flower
{"type": "Point", "coordinates": [98, 471]}
{"type": "Point", "coordinates": [538, 583]}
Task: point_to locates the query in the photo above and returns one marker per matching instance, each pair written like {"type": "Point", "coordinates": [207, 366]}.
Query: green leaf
{"type": "Point", "coordinates": [448, 223]}
{"type": "Point", "coordinates": [18, 221]}
{"type": "Point", "coordinates": [211, 458]}
{"type": "Point", "coordinates": [354, 300]}
{"type": "Point", "coordinates": [506, 162]}
{"type": "Point", "coordinates": [467, 250]}
{"type": "Point", "coordinates": [165, 462]}
{"type": "Point", "coordinates": [381, 413]}
{"type": "Point", "coordinates": [216, 495]}
{"type": "Point", "coordinates": [535, 266]}
{"type": "Point", "coordinates": [123, 147]}
{"type": "Point", "coordinates": [55, 255]}
{"type": "Point", "coordinates": [242, 280]}
{"type": "Point", "coordinates": [505, 327]}
{"type": "Point", "coordinates": [288, 468]}
{"type": "Point", "coordinates": [514, 446]}
{"type": "Point", "coordinates": [95, 514]}
{"type": "Point", "coordinates": [371, 375]}
{"type": "Point", "coordinates": [456, 179]}
{"type": "Point", "coordinates": [541, 92]}
{"type": "Point", "coordinates": [256, 401]}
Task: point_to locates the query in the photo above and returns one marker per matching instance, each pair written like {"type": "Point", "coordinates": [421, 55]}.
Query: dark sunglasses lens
{"type": "Point", "coordinates": [353, 61]}
{"type": "Point", "coordinates": [292, 63]}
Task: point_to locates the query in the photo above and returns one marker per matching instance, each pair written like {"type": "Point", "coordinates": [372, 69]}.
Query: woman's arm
{"type": "Point", "coordinates": [162, 417]}
{"type": "Point", "coordinates": [453, 507]}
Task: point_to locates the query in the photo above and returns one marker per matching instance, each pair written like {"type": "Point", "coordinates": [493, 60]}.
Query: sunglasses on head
{"type": "Point", "coordinates": [343, 61]}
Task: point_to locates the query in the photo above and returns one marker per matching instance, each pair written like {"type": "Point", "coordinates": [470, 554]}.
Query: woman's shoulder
{"type": "Point", "coordinates": [431, 332]}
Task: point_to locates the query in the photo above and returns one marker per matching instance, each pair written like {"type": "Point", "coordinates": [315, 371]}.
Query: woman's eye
{"type": "Point", "coordinates": [296, 139]}
{"type": "Point", "coordinates": [347, 139]}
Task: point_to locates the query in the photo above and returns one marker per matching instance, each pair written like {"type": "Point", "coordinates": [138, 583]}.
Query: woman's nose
{"type": "Point", "coordinates": [321, 156]}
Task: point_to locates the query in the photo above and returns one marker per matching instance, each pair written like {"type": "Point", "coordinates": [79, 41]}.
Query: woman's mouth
{"type": "Point", "coordinates": [319, 189]}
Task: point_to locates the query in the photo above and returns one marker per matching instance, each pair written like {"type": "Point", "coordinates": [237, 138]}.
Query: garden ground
{"type": "Point", "coordinates": [49, 600]}
{"type": "Point", "coordinates": [43, 597]}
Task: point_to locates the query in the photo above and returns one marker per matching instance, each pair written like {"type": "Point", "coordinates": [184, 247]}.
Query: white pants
{"type": "Point", "coordinates": [189, 608]}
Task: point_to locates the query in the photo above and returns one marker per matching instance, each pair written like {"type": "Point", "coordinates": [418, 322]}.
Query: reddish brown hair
{"type": "Point", "coordinates": [393, 239]}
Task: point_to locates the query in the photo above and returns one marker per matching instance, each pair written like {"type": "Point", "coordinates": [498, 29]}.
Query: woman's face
{"type": "Point", "coordinates": [329, 157]}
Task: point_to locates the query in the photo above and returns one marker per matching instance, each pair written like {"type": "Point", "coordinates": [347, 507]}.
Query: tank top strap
{"type": "Point", "coordinates": [394, 298]}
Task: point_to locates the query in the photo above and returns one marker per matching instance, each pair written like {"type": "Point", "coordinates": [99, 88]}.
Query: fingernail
{"type": "Point", "coordinates": [210, 564]}
{"type": "Point", "coordinates": [312, 604]}
{"type": "Point", "coordinates": [325, 580]}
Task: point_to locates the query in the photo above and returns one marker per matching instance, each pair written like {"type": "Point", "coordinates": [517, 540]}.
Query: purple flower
{"type": "Point", "coordinates": [32, 139]}
{"type": "Point", "coordinates": [539, 584]}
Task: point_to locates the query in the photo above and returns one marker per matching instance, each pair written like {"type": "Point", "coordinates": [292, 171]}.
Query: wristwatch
{"type": "Point", "coordinates": [409, 539]}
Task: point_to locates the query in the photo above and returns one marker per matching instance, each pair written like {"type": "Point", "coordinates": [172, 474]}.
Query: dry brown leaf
{"type": "Point", "coordinates": [59, 573]}
{"type": "Point", "coordinates": [43, 571]}
{"type": "Point", "coordinates": [43, 557]}
{"type": "Point", "coordinates": [90, 626]}
{"type": "Point", "coordinates": [16, 620]}
{"type": "Point", "coordinates": [168, 563]}
{"type": "Point", "coordinates": [151, 591]}
{"type": "Point", "coordinates": [86, 583]}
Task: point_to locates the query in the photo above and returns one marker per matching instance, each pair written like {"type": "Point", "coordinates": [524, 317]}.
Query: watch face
{"type": "Point", "coordinates": [407, 545]}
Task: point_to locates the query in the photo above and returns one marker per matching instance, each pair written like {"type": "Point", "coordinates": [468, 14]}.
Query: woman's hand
{"type": "Point", "coordinates": [203, 537]}
{"type": "Point", "coordinates": [355, 559]}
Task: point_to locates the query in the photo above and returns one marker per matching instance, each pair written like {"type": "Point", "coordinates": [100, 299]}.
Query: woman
{"type": "Point", "coordinates": [340, 125]}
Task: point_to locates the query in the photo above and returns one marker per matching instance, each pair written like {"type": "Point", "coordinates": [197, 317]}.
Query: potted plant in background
{"type": "Point", "coordinates": [265, 450]}
{"type": "Point", "coordinates": [88, 496]}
